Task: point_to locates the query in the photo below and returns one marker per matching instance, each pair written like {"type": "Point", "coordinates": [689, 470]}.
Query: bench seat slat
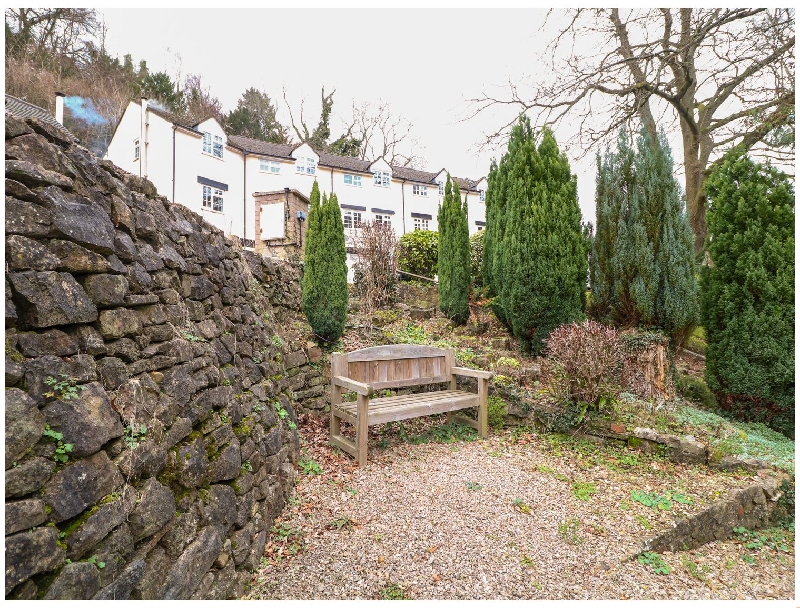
{"type": "Point", "coordinates": [390, 409]}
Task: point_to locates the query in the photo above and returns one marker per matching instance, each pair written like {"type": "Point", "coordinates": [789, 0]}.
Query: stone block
{"type": "Point", "coordinates": [190, 568]}
{"type": "Point", "coordinates": [24, 514]}
{"type": "Point", "coordinates": [34, 176]}
{"type": "Point", "coordinates": [107, 517]}
{"type": "Point", "coordinates": [29, 553]}
{"type": "Point", "coordinates": [79, 485]}
{"type": "Point", "coordinates": [76, 259]}
{"type": "Point", "coordinates": [24, 424]}
{"type": "Point", "coordinates": [106, 290]}
{"type": "Point", "coordinates": [23, 253]}
{"type": "Point", "coordinates": [28, 477]}
{"type": "Point", "coordinates": [77, 581]}
{"type": "Point", "coordinates": [118, 323]}
{"type": "Point", "coordinates": [47, 299]}
{"type": "Point", "coordinates": [155, 510]}
{"type": "Point", "coordinates": [52, 342]}
{"type": "Point", "coordinates": [26, 218]}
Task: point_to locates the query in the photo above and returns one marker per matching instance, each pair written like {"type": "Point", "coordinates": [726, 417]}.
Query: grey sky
{"type": "Point", "coordinates": [425, 63]}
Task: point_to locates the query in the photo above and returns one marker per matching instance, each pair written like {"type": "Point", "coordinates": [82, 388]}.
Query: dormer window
{"type": "Point", "coordinates": [418, 190]}
{"type": "Point", "coordinates": [482, 195]}
{"type": "Point", "coordinates": [381, 178]}
{"type": "Point", "coordinates": [306, 165]}
{"type": "Point", "coordinates": [212, 144]}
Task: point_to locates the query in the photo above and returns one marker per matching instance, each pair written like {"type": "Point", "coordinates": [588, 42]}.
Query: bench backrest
{"type": "Point", "coordinates": [395, 365]}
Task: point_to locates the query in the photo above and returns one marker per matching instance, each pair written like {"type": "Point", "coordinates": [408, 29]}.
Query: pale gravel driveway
{"type": "Point", "coordinates": [421, 527]}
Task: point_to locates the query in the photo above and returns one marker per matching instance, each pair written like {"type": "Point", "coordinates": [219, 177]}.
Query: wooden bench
{"type": "Point", "coordinates": [400, 365]}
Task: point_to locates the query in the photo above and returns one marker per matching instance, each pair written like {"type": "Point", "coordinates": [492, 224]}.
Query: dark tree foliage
{"type": "Point", "coordinates": [747, 292]}
{"type": "Point", "coordinates": [642, 265]}
{"type": "Point", "coordinates": [324, 284]}
{"type": "Point", "coordinates": [454, 260]}
{"type": "Point", "coordinates": [159, 86]}
{"type": "Point", "coordinates": [256, 116]}
{"type": "Point", "coordinates": [537, 251]}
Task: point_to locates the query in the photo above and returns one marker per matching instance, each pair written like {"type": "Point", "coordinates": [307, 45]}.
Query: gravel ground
{"type": "Point", "coordinates": [501, 519]}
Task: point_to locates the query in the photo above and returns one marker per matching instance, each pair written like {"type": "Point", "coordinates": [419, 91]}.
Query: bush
{"type": "Point", "coordinates": [375, 273]}
{"type": "Point", "coordinates": [476, 258]}
{"type": "Point", "coordinates": [695, 390]}
{"type": "Point", "coordinates": [747, 293]}
{"type": "Point", "coordinates": [588, 359]}
{"type": "Point", "coordinates": [418, 252]}
{"type": "Point", "coordinates": [497, 412]}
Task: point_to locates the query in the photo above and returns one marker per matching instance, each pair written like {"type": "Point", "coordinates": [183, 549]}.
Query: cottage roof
{"type": "Point", "coordinates": [256, 146]}
{"type": "Point", "coordinates": [23, 109]}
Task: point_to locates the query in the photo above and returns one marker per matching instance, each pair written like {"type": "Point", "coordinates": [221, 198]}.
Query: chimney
{"type": "Point", "coordinates": [60, 107]}
{"type": "Point", "coordinates": [143, 141]}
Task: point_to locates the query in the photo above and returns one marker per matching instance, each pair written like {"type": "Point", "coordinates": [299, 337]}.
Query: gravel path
{"type": "Point", "coordinates": [500, 519]}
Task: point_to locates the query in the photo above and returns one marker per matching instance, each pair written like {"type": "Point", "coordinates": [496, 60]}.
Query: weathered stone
{"type": "Point", "coordinates": [125, 248]}
{"type": "Point", "coordinates": [212, 398]}
{"type": "Point", "coordinates": [208, 329]}
{"type": "Point", "coordinates": [148, 257]}
{"type": "Point", "coordinates": [197, 287]}
{"type": "Point", "coordinates": [24, 514]}
{"type": "Point", "coordinates": [295, 359]}
{"type": "Point", "coordinates": [152, 364]}
{"type": "Point", "coordinates": [106, 290]}
{"type": "Point", "coordinates": [80, 220]}
{"type": "Point", "coordinates": [122, 215]}
{"type": "Point", "coordinates": [115, 550]}
{"type": "Point", "coordinates": [78, 581]}
{"type": "Point", "coordinates": [107, 517]}
{"type": "Point", "coordinates": [46, 155]}
{"type": "Point", "coordinates": [227, 465]}
{"type": "Point", "coordinates": [118, 323]}
{"type": "Point", "coordinates": [172, 259]}
{"type": "Point", "coordinates": [16, 127]}
{"type": "Point", "coordinates": [34, 176]}
{"type": "Point", "coordinates": [50, 132]}
{"type": "Point", "coordinates": [29, 553]}
{"type": "Point", "coordinates": [314, 353]}
{"type": "Point", "coordinates": [27, 219]}
{"type": "Point", "coordinates": [46, 299]}
{"type": "Point", "coordinates": [224, 555]}
{"type": "Point", "coordinates": [155, 510]}
{"type": "Point", "coordinates": [256, 550]}
{"type": "Point", "coordinates": [191, 567]}
{"type": "Point", "coordinates": [272, 441]}
{"type": "Point", "coordinates": [180, 534]}
{"type": "Point", "coordinates": [24, 424]}
{"type": "Point", "coordinates": [190, 463]}
{"type": "Point", "coordinates": [218, 506]}
{"type": "Point", "coordinates": [79, 485]}
{"type": "Point", "coordinates": [26, 591]}
{"type": "Point", "coordinates": [240, 542]}
{"type": "Point", "coordinates": [681, 450]}
{"type": "Point", "coordinates": [19, 191]}
{"type": "Point", "coordinates": [28, 477]}
{"type": "Point", "coordinates": [89, 340]}
{"type": "Point", "coordinates": [124, 348]}
{"type": "Point", "coordinates": [113, 372]}
{"type": "Point", "coordinates": [140, 299]}
{"type": "Point", "coordinates": [40, 372]}
{"type": "Point", "coordinates": [23, 253]}
{"type": "Point", "coordinates": [147, 459]}
{"type": "Point", "coordinates": [87, 420]}
{"type": "Point", "coordinates": [50, 342]}
{"type": "Point", "coordinates": [123, 585]}
{"type": "Point", "coordinates": [151, 583]}
{"type": "Point", "coordinates": [77, 259]}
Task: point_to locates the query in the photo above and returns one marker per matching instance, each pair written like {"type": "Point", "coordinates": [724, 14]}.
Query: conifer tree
{"type": "Point", "coordinates": [539, 265]}
{"type": "Point", "coordinates": [747, 292]}
{"type": "Point", "coordinates": [454, 260]}
{"type": "Point", "coordinates": [324, 285]}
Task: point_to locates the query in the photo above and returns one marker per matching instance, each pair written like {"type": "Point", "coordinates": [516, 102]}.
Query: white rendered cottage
{"type": "Point", "coordinates": [215, 174]}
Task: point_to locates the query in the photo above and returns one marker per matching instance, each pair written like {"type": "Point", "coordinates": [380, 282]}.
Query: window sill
{"type": "Point", "coordinates": [207, 210]}
{"type": "Point", "coordinates": [212, 156]}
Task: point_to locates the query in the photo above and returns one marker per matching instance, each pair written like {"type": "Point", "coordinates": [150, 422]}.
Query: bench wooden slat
{"type": "Point", "coordinates": [393, 352]}
{"type": "Point", "coordinates": [391, 409]}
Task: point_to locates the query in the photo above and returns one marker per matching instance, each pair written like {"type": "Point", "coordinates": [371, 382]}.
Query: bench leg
{"type": "Point", "coordinates": [483, 408]}
{"type": "Point", "coordinates": [361, 430]}
{"type": "Point", "coordinates": [336, 399]}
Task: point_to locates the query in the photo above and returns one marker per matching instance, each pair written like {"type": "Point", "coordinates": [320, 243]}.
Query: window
{"type": "Point", "coordinates": [420, 224]}
{"type": "Point", "coordinates": [418, 190]}
{"type": "Point", "coordinates": [381, 218]}
{"type": "Point", "coordinates": [381, 178]}
{"type": "Point", "coordinates": [351, 219]}
{"type": "Point", "coordinates": [212, 144]}
{"type": "Point", "coordinates": [135, 149]}
{"type": "Point", "coordinates": [482, 195]}
{"type": "Point", "coordinates": [352, 180]}
{"type": "Point", "coordinates": [269, 166]}
{"type": "Point", "coordinates": [212, 198]}
{"type": "Point", "coordinates": [441, 188]}
{"type": "Point", "coordinates": [305, 165]}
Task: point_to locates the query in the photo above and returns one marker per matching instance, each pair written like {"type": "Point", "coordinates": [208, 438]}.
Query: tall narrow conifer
{"type": "Point", "coordinates": [454, 260]}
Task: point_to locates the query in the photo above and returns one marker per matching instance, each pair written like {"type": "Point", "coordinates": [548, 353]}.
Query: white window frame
{"type": "Point", "coordinates": [213, 145]}
{"type": "Point", "coordinates": [441, 188]}
{"type": "Point", "coordinates": [136, 149]}
{"type": "Point", "coordinates": [381, 178]}
{"type": "Point", "coordinates": [351, 219]}
{"type": "Point", "coordinates": [354, 180]}
{"type": "Point", "coordinates": [305, 165]}
{"type": "Point", "coordinates": [273, 167]}
{"type": "Point", "coordinates": [207, 147]}
{"type": "Point", "coordinates": [421, 224]}
{"type": "Point", "coordinates": [218, 146]}
{"type": "Point", "coordinates": [419, 190]}
{"type": "Point", "coordinates": [213, 199]}
{"type": "Point", "coordinates": [482, 196]}
{"type": "Point", "coordinates": [383, 218]}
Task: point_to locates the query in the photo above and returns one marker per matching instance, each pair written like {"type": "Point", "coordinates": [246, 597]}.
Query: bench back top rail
{"type": "Point", "coordinates": [395, 365]}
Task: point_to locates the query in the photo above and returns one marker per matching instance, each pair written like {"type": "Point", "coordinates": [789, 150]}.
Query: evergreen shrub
{"type": "Point", "coordinates": [454, 260]}
{"type": "Point", "coordinates": [418, 252]}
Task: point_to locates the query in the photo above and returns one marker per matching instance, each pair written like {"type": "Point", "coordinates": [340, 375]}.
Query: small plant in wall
{"type": "Point", "coordinates": [63, 450]}
{"type": "Point", "coordinates": [93, 560]}
{"type": "Point", "coordinates": [65, 388]}
{"type": "Point", "coordinates": [134, 433]}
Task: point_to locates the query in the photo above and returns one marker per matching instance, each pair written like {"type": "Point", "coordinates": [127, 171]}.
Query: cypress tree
{"type": "Point", "coordinates": [454, 260]}
{"type": "Point", "coordinates": [747, 291]}
{"type": "Point", "coordinates": [540, 265]}
{"type": "Point", "coordinates": [324, 285]}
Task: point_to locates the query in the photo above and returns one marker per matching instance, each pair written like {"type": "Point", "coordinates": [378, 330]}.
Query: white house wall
{"type": "Point", "coordinates": [121, 148]}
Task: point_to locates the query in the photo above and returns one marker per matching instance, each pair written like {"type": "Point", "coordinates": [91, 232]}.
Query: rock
{"type": "Point", "coordinates": [147, 459]}
{"type": "Point", "coordinates": [46, 155]}
{"type": "Point", "coordinates": [79, 485]}
{"type": "Point", "coordinates": [113, 372]}
{"type": "Point", "coordinates": [27, 219]}
{"type": "Point", "coordinates": [256, 551]}
{"type": "Point", "coordinates": [79, 581]}
{"type": "Point", "coordinates": [77, 259]}
{"type": "Point", "coordinates": [190, 463]}
{"type": "Point", "coordinates": [197, 287]}
{"type": "Point", "coordinates": [180, 534]}
{"type": "Point", "coordinates": [26, 591]}
{"type": "Point", "coordinates": [34, 176]}
{"type": "Point", "coordinates": [155, 510]}
{"type": "Point", "coordinates": [272, 441]}
{"type": "Point", "coordinates": [124, 348]}
{"type": "Point", "coordinates": [240, 542]}
{"type": "Point", "coordinates": [227, 465]}
{"type": "Point", "coordinates": [295, 359]}
{"type": "Point", "coordinates": [19, 191]}
{"type": "Point", "coordinates": [107, 517]}
{"type": "Point", "coordinates": [29, 553]}
{"type": "Point", "coordinates": [314, 353]}
{"type": "Point", "coordinates": [87, 420]}
{"type": "Point", "coordinates": [23, 253]}
{"type": "Point", "coordinates": [191, 567]}
{"type": "Point", "coordinates": [79, 220]}
{"type": "Point", "coordinates": [681, 450]}
{"type": "Point", "coordinates": [212, 398]}
{"type": "Point", "coordinates": [28, 477]}
{"type": "Point", "coordinates": [50, 132]}
{"type": "Point", "coordinates": [51, 342]}
{"type": "Point", "coordinates": [218, 506]}
{"type": "Point", "coordinates": [106, 290]}
{"type": "Point", "coordinates": [16, 127]}
{"type": "Point", "coordinates": [46, 299]}
{"type": "Point", "coordinates": [89, 340]}
{"type": "Point", "coordinates": [24, 514]}
{"type": "Point", "coordinates": [123, 585]}
{"type": "Point", "coordinates": [24, 424]}
{"type": "Point", "coordinates": [122, 216]}
{"type": "Point", "coordinates": [118, 323]}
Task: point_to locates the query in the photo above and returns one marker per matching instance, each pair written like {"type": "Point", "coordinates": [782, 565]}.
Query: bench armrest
{"type": "Point", "coordinates": [472, 373]}
{"type": "Point", "coordinates": [358, 387]}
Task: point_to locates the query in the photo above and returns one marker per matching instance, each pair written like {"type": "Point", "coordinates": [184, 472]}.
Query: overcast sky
{"type": "Point", "coordinates": [425, 63]}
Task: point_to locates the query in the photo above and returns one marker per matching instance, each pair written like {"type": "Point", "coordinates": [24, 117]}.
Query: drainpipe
{"type": "Point", "coordinates": [143, 140]}
{"type": "Point", "coordinates": [403, 203]}
{"type": "Point", "coordinates": [331, 180]}
{"type": "Point", "coordinates": [174, 128]}
{"type": "Point", "coordinates": [60, 107]}
{"type": "Point", "coordinates": [244, 201]}
{"type": "Point", "coordinates": [286, 214]}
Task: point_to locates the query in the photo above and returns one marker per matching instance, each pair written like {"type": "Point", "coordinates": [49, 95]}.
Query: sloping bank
{"type": "Point", "coordinates": [150, 420]}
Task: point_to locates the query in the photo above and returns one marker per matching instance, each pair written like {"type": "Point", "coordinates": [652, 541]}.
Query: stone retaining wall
{"type": "Point", "coordinates": [151, 384]}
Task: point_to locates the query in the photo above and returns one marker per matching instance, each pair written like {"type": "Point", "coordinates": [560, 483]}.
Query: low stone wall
{"type": "Point", "coordinates": [152, 374]}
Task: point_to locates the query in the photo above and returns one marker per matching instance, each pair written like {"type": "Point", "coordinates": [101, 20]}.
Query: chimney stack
{"type": "Point", "coordinates": [60, 107]}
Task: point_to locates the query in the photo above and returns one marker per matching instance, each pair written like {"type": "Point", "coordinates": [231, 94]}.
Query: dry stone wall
{"type": "Point", "coordinates": [150, 386]}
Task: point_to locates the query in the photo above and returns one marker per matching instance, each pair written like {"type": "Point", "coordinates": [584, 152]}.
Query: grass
{"type": "Point", "coordinates": [655, 561]}
{"type": "Point", "coordinates": [583, 490]}
{"type": "Point", "coordinates": [569, 530]}
{"type": "Point", "coordinates": [393, 591]}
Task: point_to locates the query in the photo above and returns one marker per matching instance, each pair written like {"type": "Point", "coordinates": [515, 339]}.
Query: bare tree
{"type": "Point", "coordinates": [57, 32]}
{"type": "Point", "coordinates": [721, 76]}
{"type": "Point", "coordinates": [199, 102]}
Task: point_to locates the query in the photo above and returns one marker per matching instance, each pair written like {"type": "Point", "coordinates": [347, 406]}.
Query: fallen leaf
{"type": "Point", "coordinates": [381, 559]}
{"type": "Point", "coordinates": [437, 578]}
{"type": "Point", "coordinates": [432, 549]}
